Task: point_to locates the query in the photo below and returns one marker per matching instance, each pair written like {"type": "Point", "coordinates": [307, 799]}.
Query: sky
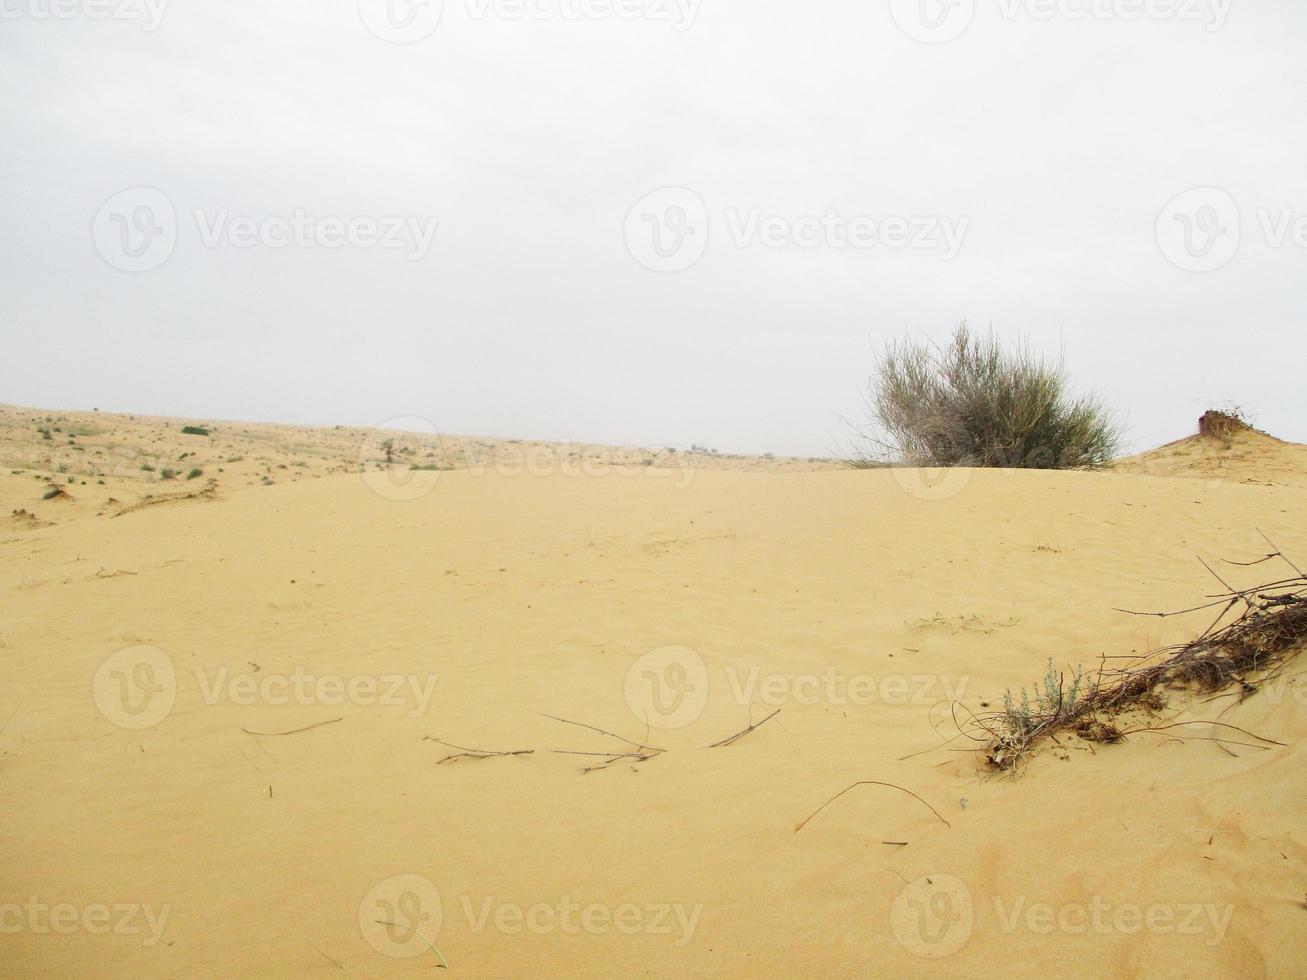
{"type": "Point", "coordinates": [651, 222]}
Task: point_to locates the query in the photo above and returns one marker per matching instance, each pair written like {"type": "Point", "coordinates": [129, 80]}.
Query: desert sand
{"type": "Point", "coordinates": [222, 697]}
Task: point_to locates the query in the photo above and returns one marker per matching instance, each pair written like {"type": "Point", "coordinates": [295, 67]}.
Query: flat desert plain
{"type": "Point", "coordinates": [309, 713]}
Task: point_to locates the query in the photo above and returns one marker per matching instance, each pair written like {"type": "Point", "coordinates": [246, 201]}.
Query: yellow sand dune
{"type": "Point", "coordinates": [222, 712]}
{"type": "Point", "coordinates": [1244, 454]}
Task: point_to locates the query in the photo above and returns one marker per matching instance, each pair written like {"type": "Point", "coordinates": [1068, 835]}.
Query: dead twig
{"type": "Point", "coordinates": [466, 753]}
{"type": "Point", "coordinates": [740, 734]}
{"type": "Point", "coordinates": [601, 731]}
{"type": "Point", "coordinates": [295, 731]}
{"type": "Point", "coordinates": [871, 782]}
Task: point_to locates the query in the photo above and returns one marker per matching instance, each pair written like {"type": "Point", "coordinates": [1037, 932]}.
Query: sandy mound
{"type": "Point", "coordinates": [226, 731]}
{"type": "Point", "coordinates": [1225, 448]}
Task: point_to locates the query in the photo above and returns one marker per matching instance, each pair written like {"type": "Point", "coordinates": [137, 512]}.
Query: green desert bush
{"type": "Point", "coordinates": [973, 402]}
{"type": "Point", "coordinates": [194, 430]}
{"type": "Point", "coordinates": [194, 473]}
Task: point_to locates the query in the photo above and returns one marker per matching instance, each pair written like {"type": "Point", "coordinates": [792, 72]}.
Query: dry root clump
{"type": "Point", "coordinates": [1221, 425]}
{"type": "Point", "coordinates": [1243, 655]}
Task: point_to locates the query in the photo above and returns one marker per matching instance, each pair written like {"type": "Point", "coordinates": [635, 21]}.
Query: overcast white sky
{"type": "Point", "coordinates": [1034, 151]}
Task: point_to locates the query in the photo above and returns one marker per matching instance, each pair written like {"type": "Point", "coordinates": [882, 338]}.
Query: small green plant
{"type": "Point", "coordinates": [195, 430]}
{"type": "Point", "coordinates": [167, 474]}
{"type": "Point", "coordinates": [194, 473]}
{"type": "Point", "coordinates": [1056, 702]}
{"type": "Point", "coordinates": [147, 468]}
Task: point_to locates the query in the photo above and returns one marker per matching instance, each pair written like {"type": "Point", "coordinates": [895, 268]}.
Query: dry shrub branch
{"type": "Point", "coordinates": [1269, 628]}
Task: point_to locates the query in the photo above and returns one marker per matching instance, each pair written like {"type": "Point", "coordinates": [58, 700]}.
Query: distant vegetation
{"type": "Point", "coordinates": [971, 402]}
{"type": "Point", "coordinates": [194, 430]}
